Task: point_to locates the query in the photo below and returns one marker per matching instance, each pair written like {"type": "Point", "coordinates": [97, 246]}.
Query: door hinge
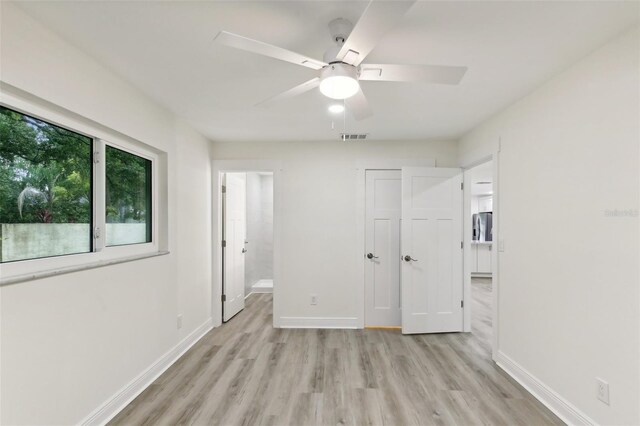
{"type": "Point", "coordinates": [224, 243]}
{"type": "Point", "coordinates": [462, 244]}
{"type": "Point", "coordinates": [462, 303]}
{"type": "Point", "coordinates": [462, 185]}
{"type": "Point", "coordinates": [96, 157]}
{"type": "Point", "coordinates": [224, 189]}
{"type": "Point", "coordinates": [96, 232]}
{"type": "Point", "coordinates": [224, 297]}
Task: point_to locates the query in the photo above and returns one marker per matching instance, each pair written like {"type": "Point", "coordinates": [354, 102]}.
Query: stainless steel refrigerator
{"type": "Point", "coordinates": [482, 226]}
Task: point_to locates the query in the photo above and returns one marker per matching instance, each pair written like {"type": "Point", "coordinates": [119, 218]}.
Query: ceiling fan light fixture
{"type": "Point", "coordinates": [339, 81]}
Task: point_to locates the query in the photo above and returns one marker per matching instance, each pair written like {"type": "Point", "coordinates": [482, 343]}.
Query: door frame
{"type": "Point", "coordinates": [467, 162]}
{"type": "Point", "coordinates": [361, 211]}
{"type": "Point", "coordinates": [218, 168]}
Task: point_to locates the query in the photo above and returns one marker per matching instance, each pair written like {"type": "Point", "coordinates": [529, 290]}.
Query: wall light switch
{"type": "Point", "coordinates": [179, 321]}
{"type": "Point", "coordinates": [501, 245]}
{"type": "Point", "coordinates": [314, 299]}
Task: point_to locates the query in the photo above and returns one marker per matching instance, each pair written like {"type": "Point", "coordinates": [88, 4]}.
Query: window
{"type": "Point", "coordinates": [128, 203]}
{"type": "Point", "coordinates": [45, 189]}
{"type": "Point", "coordinates": [66, 193]}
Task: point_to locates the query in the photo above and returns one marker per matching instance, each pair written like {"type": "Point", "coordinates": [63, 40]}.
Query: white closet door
{"type": "Point", "coordinates": [235, 217]}
{"type": "Point", "coordinates": [382, 248]}
{"type": "Point", "coordinates": [431, 248]}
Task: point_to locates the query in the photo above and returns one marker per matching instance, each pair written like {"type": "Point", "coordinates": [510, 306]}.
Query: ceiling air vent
{"type": "Point", "coordinates": [353, 136]}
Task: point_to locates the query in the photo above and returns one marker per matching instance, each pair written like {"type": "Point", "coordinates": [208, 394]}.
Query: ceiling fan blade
{"type": "Point", "coordinates": [298, 90]}
{"type": "Point", "coordinates": [261, 48]}
{"type": "Point", "coordinates": [359, 106]}
{"type": "Point", "coordinates": [438, 74]}
{"type": "Point", "coordinates": [378, 18]}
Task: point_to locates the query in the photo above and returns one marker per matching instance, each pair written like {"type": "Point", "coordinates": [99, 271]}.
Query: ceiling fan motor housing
{"type": "Point", "coordinates": [339, 69]}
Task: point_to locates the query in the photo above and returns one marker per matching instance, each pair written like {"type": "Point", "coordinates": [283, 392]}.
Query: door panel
{"type": "Point", "coordinates": [445, 285]}
{"type": "Point", "coordinates": [421, 234]}
{"type": "Point", "coordinates": [382, 270]}
{"type": "Point", "coordinates": [234, 231]}
{"type": "Point", "coordinates": [382, 239]}
{"type": "Point", "coordinates": [431, 236]}
{"type": "Point", "coordinates": [428, 192]}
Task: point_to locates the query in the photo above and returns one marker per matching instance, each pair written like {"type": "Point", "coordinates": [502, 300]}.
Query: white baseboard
{"type": "Point", "coordinates": [319, 322]}
{"type": "Point", "coordinates": [124, 396]}
{"type": "Point", "coordinates": [562, 408]}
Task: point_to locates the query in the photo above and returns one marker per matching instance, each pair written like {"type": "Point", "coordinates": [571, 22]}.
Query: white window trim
{"type": "Point", "coordinates": [29, 269]}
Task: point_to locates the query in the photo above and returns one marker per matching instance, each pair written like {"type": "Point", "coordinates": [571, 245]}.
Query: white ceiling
{"type": "Point", "coordinates": [166, 49]}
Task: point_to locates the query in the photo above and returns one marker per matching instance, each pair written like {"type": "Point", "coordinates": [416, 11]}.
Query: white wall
{"type": "Point", "coordinates": [71, 342]}
{"type": "Point", "coordinates": [569, 285]}
{"type": "Point", "coordinates": [259, 256]}
{"type": "Point", "coordinates": [319, 233]}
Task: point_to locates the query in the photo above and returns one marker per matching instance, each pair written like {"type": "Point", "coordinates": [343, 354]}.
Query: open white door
{"type": "Point", "coordinates": [234, 232]}
{"type": "Point", "coordinates": [431, 240]}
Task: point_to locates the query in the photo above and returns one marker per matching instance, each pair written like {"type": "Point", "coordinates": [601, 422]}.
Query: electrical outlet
{"type": "Point", "coordinates": [179, 321]}
{"type": "Point", "coordinates": [314, 299]}
{"type": "Point", "coordinates": [602, 390]}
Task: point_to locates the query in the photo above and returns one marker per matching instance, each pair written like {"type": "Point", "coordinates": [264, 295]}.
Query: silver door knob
{"type": "Point", "coordinates": [408, 258]}
{"type": "Point", "coordinates": [244, 250]}
{"type": "Point", "coordinates": [371, 256]}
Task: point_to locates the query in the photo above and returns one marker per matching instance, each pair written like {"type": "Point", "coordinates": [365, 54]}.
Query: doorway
{"type": "Point", "coordinates": [259, 240]}
{"type": "Point", "coordinates": [246, 224]}
{"type": "Point", "coordinates": [479, 272]}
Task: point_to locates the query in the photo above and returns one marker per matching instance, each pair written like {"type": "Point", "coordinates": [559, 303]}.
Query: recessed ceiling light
{"type": "Point", "coordinates": [336, 108]}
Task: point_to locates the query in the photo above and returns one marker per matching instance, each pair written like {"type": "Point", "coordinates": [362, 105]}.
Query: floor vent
{"type": "Point", "coordinates": [353, 136]}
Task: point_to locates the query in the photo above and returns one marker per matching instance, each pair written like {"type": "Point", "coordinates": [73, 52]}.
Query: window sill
{"type": "Point", "coordinates": [75, 268]}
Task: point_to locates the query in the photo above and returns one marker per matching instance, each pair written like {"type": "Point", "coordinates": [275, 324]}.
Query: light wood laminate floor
{"type": "Point", "coordinates": [248, 373]}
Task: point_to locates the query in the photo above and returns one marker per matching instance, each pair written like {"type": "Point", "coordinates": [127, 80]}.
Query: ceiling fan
{"type": "Point", "coordinates": [342, 67]}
